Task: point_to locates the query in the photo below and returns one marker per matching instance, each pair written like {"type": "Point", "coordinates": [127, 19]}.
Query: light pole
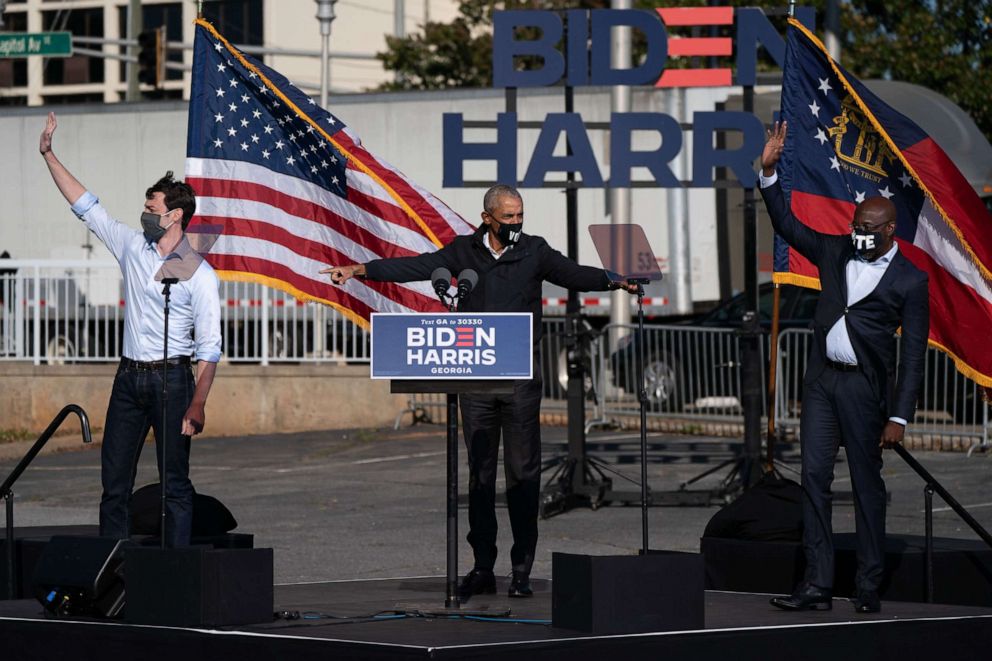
{"type": "Point", "coordinates": [325, 14]}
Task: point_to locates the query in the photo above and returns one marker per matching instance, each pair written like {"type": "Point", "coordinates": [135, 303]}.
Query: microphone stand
{"type": "Point", "coordinates": [167, 292]}
{"type": "Point", "coordinates": [642, 397]}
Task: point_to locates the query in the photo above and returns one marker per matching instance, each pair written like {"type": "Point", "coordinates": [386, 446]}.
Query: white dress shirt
{"type": "Point", "coordinates": [194, 304]}
{"type": "Point", "coordinates": [862, 278]}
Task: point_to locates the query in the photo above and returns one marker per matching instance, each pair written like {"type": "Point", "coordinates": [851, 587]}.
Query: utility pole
{"type": "Point", "coordinates": [620, 58]}
{"type": "Point", "coordinates": [399, 18]}
{"type": "Point", "coordinates": [135, 24]}
{"type": "Point", "coordinates": [833, 29]}
{"type": "Point", "coordinates": [325, 14]}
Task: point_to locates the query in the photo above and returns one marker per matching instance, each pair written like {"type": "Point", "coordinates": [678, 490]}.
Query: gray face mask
{"type": "Point", "coordinates": [150, 224]}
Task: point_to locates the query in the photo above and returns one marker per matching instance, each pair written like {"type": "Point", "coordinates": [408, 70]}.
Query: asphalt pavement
{"type": "Point", "coordinates": [370, 503]}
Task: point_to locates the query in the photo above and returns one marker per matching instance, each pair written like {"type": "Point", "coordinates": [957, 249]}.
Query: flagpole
{"type": "Point", "coordinates": [792, 8]}
{"type": "Point", "coordinates": [199, 9]}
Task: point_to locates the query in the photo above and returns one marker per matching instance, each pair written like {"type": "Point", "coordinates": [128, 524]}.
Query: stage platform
{"type": "Point", "coordinates": [336, 622]}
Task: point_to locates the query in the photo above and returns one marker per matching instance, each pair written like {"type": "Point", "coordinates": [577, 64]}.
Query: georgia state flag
{"type": "Point", "coordinates": [845, 145]}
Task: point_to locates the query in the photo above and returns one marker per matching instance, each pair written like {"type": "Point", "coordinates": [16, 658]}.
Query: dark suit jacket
{"type": "Point", "coordinates": [511, 283]}
{"type": "Point", "coordinates": [900, 299]}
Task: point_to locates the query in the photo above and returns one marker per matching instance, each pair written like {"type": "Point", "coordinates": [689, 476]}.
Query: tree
{"type": "Point", "coordinates": [944, 45]}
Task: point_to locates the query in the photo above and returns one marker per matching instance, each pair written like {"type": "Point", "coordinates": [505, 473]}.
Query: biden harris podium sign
{"type": "Point", "coordinates": [452, 346]}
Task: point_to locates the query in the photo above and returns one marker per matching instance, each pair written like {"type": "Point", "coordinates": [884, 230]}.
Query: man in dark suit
{"type": "Point", "coordinates": [511, 267]}
{"type": "Point", "coordinates": [851, 394]}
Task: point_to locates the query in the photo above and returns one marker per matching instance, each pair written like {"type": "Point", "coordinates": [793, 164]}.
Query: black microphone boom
{"type": "Point", "coordinates": [467, 280]}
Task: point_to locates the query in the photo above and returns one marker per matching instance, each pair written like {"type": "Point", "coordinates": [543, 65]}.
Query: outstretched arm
{"type": "Point", "coordinates": [67, 184]}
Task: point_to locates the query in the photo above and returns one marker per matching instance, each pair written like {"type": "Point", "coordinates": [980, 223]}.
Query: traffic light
{"type": "Point", "coordinates": [151, 57]}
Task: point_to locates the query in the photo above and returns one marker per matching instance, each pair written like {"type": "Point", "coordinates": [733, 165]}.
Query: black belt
{"type": "Point", "coordinates": [841, 367]}
{"type": "Point", "coordinates": [155, 365]}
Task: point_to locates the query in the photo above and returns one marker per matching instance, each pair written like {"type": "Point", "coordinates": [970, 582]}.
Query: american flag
{"type": "Point", "coordinates": [845, 144]}
{"type": "Point", "coordinates": [293, 190]}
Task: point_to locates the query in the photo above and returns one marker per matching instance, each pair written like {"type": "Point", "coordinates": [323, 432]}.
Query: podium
{"type": "Point", "coordinates": [452, 389]}
{"type": "Point", "coordinates": [453, 354]}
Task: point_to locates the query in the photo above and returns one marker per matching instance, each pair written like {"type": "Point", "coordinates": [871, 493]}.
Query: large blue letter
{"type": "Point", "coordinates": [582, 159]}
{"type": "Point", "coordinates": [578, 47]}
{"type": "Point", "coordinates": [623, 158]}
{"type": "Point", "coordinates": [506, 48]}
{"type": "Point", "coordinates": [457, 151]}
{"type": "Point", "coordinates": [754, 29]}
{"type": "Point", "coordinates": [603, 20]}
{"type": "Point", "coordinates": [705, 156]}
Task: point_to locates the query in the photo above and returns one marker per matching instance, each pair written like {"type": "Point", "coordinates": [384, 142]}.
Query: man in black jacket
{"type": "Point", "coordinates": [851, 395]}
{"type": "Point", "coordinates": [511, 267]}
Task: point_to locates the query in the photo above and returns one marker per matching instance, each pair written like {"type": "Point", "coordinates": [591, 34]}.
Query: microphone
{"type": "Point", "coordinates": [467, 280]}
{"type": "Point", "coordinates": [441, 280]}
{"type": "Point", "coordinates": [170, 281]}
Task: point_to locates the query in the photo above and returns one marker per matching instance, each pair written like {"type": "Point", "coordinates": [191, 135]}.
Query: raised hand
{"type": "Point", "coordinates": [773, 148]}
{"type": "Point", "coordinates": [45, 144]}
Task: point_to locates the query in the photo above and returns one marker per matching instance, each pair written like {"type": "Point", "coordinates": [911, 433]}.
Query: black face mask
{"type": "Point", "coordinates": [508, 234]}
{"type": "Point", "coordinates": [866, 243]}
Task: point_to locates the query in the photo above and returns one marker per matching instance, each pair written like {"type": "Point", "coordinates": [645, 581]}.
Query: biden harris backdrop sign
{"type": "Point", "coordinates": [452, 346]}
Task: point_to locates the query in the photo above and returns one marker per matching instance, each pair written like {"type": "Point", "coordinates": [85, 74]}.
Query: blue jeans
{"type": "Point", "coordinates": [135, 405]}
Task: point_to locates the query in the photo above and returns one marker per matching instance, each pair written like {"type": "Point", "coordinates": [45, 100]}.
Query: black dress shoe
{"type": "Point", "coordinates": [806, 597]}
{"type": "Point", "coordinates": [477, 581]}
{"type": "Point", "coordinates": [520, 585]}
{"type": "Point", "coordinates": [867, 602]}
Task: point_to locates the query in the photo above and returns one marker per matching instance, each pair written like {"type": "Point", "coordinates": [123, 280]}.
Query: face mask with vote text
{"type": "Point", "coordinates": [865, 243]}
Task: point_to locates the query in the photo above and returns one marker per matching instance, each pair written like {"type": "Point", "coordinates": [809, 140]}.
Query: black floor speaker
{"type": "Point", "coordinates": [661, 591]}
{"type": "Point", "coordinates": [198, 586]}
{"type": "Point", "coordinates": [81, 576]}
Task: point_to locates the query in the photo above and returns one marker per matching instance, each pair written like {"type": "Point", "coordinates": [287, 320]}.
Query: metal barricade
{"type": "Point", "coordinates": [690, 372]}
{"type": "Point", "coordinates": [951, 411]}
{"type": "Point", "coordinates": [59, 311]}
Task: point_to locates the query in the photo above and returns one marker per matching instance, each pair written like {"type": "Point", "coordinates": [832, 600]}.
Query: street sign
{"type": "Point", "coordinates": [24, 44]}
{"type": "Point", "coordinates": [462, 345]}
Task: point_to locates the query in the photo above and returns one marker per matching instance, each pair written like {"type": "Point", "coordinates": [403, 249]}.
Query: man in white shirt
{"type": "Point", "coordinates": [851, 393]}
{"type": "Point", "coordinates": [160, 250]}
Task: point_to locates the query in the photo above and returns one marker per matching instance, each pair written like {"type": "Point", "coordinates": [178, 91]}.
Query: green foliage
{"type": "Point", "coordinates": [944, 45]}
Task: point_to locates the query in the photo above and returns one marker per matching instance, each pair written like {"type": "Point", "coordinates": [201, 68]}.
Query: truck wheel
{"type": "Point", "coordinates": [59, 349]}
{"type": "Point", "coordinates": [562, 374]}
{"type": "Point", "coordinates": [661, 381]}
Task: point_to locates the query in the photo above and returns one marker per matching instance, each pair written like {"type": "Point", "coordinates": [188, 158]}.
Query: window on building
{"type": "Point", "coordinates": [62, 99]}
{"type": "Point", "coordinates": [240, 21]}
{"type": "Point", "coordinates": [14, 71]}
{"type": "Point", "coordinates": [78, 69]}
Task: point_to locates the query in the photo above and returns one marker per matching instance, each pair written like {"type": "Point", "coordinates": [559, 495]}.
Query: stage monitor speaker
{"type": "Point", "coordinates": [662, 591]}
{"type": "Point", "coordinates": [81, 576]}
{"type": "Point", "coordinates": [198, 586]}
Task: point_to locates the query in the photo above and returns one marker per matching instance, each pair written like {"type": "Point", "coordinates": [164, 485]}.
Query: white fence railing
{"type": "Point", "coordinates": [55, 311]}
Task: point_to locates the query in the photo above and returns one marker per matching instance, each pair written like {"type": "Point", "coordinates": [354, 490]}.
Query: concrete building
{"type": "Point", "coordinates": [358, 32]}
